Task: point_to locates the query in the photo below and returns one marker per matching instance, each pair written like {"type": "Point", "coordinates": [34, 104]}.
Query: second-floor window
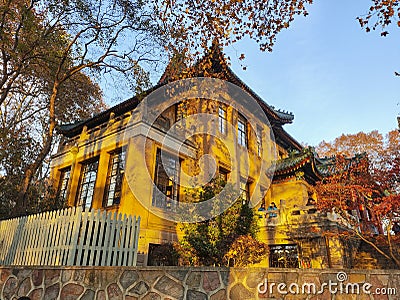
{"type": "Point", "coordinates": [223, 175]}
{"type": "Point", "coordinates": [222, 119]}
{"type": "Point", "coordinates": [242, 131]}
{"type": "Point", "coordinates": [63, 186]}
{"type": "Point", "coordinates": [115, 175]}
{"type": "Point", "coordinates": [259, 141]}
{"type": "Point", "coordinates": [245, 191]}
{"type": "Point", "coordinates": [87, 183]}
{"type": "Point", "coordinates": [166, 179]}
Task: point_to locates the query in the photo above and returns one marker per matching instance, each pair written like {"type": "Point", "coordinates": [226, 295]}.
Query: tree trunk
{"type": "Point", "coordinates": [390, 257]}
{"type": "Point", "coordinates": [22, 201]}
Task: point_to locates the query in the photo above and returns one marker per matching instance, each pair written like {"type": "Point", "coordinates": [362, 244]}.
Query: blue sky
{"type": "Point", "coordinates": [325, 69]}
{"type": "Point", "coordinates": [331, 74]}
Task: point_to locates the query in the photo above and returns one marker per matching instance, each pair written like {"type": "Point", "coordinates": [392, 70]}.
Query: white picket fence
{"type": "Point", "coordinates": [70, 237]}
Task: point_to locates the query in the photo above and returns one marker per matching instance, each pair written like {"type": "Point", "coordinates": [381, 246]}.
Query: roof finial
{"type": "Point", "coordinates": [215, 46]}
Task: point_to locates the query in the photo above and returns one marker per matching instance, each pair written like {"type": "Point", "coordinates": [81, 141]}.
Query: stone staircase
{"type": "Point", "coordinates": [368, 258]}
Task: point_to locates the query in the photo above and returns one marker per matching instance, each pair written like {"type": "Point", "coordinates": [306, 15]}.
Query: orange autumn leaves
{"type": "Point", "coordinates": [193, 24]}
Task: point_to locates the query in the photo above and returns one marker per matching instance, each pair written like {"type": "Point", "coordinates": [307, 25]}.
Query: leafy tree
{"type": "Point", "coordinates": [357, 184]}
{"type": "Point", "coordinates": [214, 242]}
{"type": "Point", "coordinates": [191, 25]}
{"type": "Point", "coordinates": [387, 171]}
{"type": "Point", "coordinates": [380, 15]}
{"type": "Point", "coordinates": [371, 143]}
{"type": "Point", "coordinates": [388, 176]}
{"type": "Point", "coordinates": [246, 250]}
{"type": "Point", "coordinates": [47, 51]}
{"type": "Point", "coordinates": [23, 125]}
{"type": "Point", "coordinates": [382, 152]}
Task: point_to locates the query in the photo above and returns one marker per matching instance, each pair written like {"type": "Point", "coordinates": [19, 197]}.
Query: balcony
{"type": "Point", "coordinates": [295, 216]}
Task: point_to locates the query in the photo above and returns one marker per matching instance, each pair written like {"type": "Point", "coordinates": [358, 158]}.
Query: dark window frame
{"type": "Point", "coordinates": [89, 166]}
{"type": "Point", "coordinates": [284, 256]}
{"type": "Point", "coordinates": [165, 190]}
{"type": "Point", "coordinates": [245, 190]}
{"type": "Point", "coordinates": [242, 131]}
{"type": "Point", "coordinates": [159, 255]}
{"type": "Point", "coordinates": [62, 190]}
{"type": "Point", "coordinates": [222, 119]}
{"type": "Point", "coordinates": [259, 141]}
{"type": "Point", "coordinates": [115, 176]}
{"type": "Point", "coordinates": [223, 174]}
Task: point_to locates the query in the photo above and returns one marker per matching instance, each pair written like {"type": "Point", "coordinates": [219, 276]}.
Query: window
{"type": "Point", "coordinates": [242, 131]}
{"type": "Point", "coordinates": [87, 183]}
{"type": "Point", "coordinates": [163, 123]}
{"type": "Point", "coordinates": [222, 119]}
{"type": "Point", "coordinates": [115, 175]}
{"type": "Point", "coordinates": [259, 141]}
{"type": "Point", "coordinates": [166, 179]}
{"type": "Point", "coordinates": [63, 186]}
{"type": "Point", "coordinates": [283, 256]}
{"type": "Point", "coordinates": [181, 111]}
{"type": "Point", "coordinates": [223, 175]}
{"type": "Point", "coordinates": [162, 255]}
{"type": "Point", "coordinates": [245, 191]}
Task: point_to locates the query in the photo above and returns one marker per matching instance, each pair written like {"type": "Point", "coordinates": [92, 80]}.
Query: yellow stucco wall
{"type": "Point", "coordinates": [102, 140]}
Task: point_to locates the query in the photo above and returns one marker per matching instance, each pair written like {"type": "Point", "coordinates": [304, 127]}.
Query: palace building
{"type": "Point", "coordinates": [91, 166]}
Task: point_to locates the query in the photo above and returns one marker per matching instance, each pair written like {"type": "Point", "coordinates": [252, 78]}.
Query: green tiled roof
{"type": "Point", "coordinates": [292, 162]}
{"type": "Point", "coordinates": [308, 161]}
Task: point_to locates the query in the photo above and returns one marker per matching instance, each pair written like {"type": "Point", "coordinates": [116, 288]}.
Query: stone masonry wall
{"type": "Point", "coordinates": [113, 283]}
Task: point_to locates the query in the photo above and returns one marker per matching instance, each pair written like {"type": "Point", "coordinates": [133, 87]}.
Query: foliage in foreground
{"type": "Point", "coordinates": [219, 241]}
{"type": "Point", "coordinates": [246, 250]}
{"type": "Point", "coordinates": [50, 54]}
{"type": "Point", "coordinates": [369, 183]}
